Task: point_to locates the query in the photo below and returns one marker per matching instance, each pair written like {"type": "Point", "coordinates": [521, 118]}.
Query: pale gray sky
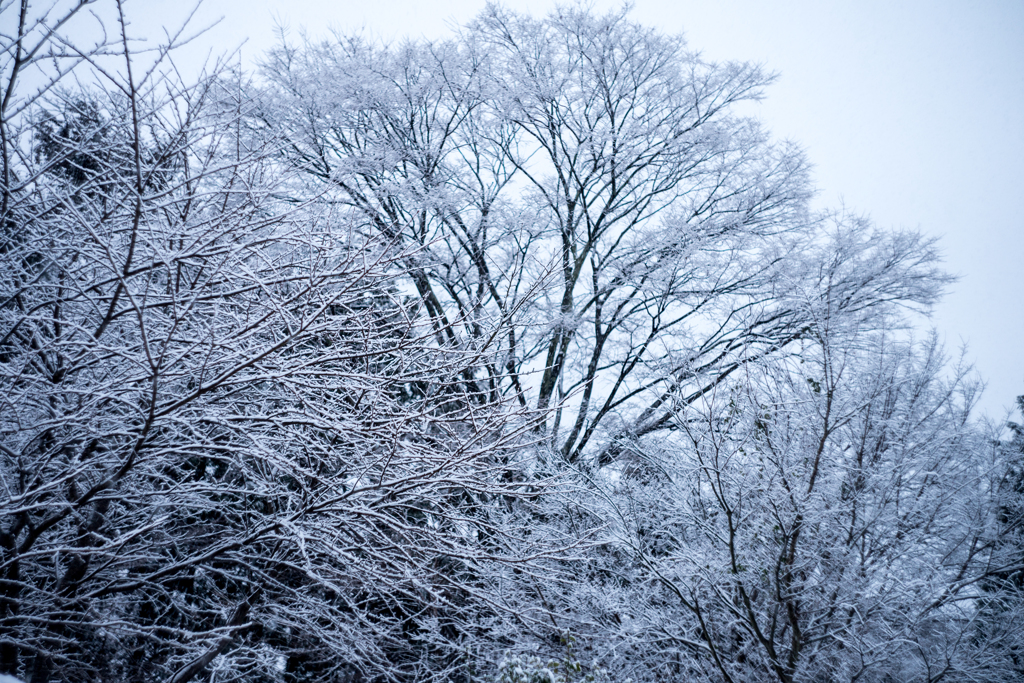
{"type": "Point", "coordinates": [911, 111]}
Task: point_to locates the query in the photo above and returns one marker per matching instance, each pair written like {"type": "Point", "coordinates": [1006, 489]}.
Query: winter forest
{"type": "Point", "coordinates": [514, 357]}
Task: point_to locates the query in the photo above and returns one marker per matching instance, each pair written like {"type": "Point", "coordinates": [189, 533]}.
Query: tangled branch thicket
{"type": "Point", "coordinates": [392, 363]}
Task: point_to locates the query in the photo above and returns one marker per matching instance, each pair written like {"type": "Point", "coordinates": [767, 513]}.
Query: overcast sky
{"type": "Point", "coordinates": [912, 113]}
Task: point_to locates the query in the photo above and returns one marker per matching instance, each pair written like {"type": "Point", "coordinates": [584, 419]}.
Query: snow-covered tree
{"type": "Point", "coordinates": [478, 359]}
{"type": "Point", "coordinates": [230, 441]}
{"type": "Point", "coordinates": [588, 179]}
{"type": "Point", "coordinates": [822, 518]}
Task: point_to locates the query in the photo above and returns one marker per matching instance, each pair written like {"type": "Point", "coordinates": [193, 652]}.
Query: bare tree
{"type": "Point", "coordinates": [589, 181]}
{"type": "Point", "coordinates": [829, 519]}
{"type": "Point", "coordinates": [402, 356]}
{"type": "Point", "coordinates": [586, 178]}
{"type": "Point", "coordinates": [229, 441]}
